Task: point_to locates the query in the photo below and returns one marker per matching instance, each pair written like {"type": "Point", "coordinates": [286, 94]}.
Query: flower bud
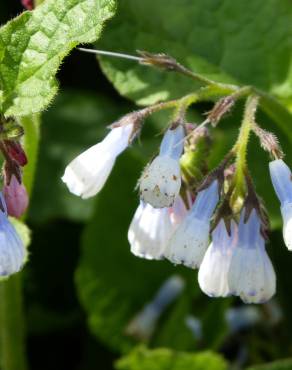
{"type": "Point", "coordinates": [161, 180]}
{"type": "Point", "coordinates": [16, 152]}
{"type": "Point", "coordinates": [16, 198]}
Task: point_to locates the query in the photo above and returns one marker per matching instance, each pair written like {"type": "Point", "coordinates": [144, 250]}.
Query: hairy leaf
{"type": "Point", "coordinates": [33, 45]}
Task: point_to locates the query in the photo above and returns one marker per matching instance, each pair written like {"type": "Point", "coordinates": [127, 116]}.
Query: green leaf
{"type": "Point", "coordinates": [228, 41]}
{"type": "Point", "coordinates": [33, 45]}
{"type": "Point", "coordinates": [142, 358]}
{"type": "Point", "coordinates": [277, 365]}
{"type": "Point", "coordinates": [75, 121]}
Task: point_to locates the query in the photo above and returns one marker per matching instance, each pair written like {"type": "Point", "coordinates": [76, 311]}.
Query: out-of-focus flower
{"type": "Point", "coordinates": [28, 4]}
{"type": "Point", "coordinates": [143, 324]}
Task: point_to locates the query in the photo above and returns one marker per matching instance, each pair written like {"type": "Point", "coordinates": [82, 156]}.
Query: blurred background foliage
{"type": "Point", "coordinates": [82, 285]}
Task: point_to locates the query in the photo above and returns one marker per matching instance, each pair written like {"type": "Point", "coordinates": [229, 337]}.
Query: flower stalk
{"type": "Point", "coordinates": [240, 149]}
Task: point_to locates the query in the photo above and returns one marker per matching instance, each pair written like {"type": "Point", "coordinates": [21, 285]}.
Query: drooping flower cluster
{"type": "Point", "coordinates": [211, 221]}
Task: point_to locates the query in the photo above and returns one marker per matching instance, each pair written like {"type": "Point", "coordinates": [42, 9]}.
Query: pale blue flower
{"type": "Point", "coordinates": [189, 242]}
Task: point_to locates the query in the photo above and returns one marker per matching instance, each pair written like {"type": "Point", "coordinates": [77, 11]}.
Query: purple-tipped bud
{"type": "Point", "coordinates": [16, 197]}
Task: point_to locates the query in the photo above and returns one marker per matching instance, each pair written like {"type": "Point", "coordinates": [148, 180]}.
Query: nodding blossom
{"type": "Point", "coordinates": [251, 275]}
{"type": "Point", "coordinates": [189, 242]}
{"type": "Point", "coordinates": [161, 180]}
{"type": "Point", "coordinates": [282, 181]}
{"type": "Point", "coordinates": [151, 228]}
{"type": "Point", "coordinates": [86, 174]}
{"type": "Point", "coordinates": [12, 251]}
{"type": "Point", "coordinates": [213, 273]}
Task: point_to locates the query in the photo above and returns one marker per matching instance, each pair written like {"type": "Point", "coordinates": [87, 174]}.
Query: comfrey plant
{"type": "Point", "coordinates": [212, 220]}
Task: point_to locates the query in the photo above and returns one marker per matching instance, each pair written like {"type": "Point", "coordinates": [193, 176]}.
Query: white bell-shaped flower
{"type": "Point", "coordinates": [86, 174]}
{"type": "Point", "coordinates": [282, 181]}
{"type": "Point", "coordinates": [213, 273]}
{"type": "Point", "coordinates": [12, 251]}
{"type": "Point", "coordinates": [251, 274]}
{"type": "Point", "coordinates": [151, 229]}
{"type": "Point", "coordinates": [189, 242]}
{"type": "Point", "coordinates": [161, 180]}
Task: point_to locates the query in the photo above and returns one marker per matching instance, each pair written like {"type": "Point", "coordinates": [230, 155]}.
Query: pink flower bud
{"type": "Point", "coordinates": [16, 152]}
{"type": "Point", "coordinates": [16, 198]}
{"type": "Point", "coordinates": [28, 4]}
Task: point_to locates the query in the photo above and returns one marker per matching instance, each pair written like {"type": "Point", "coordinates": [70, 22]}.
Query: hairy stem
{"type": "Point", "coordinates": [240, 147]}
